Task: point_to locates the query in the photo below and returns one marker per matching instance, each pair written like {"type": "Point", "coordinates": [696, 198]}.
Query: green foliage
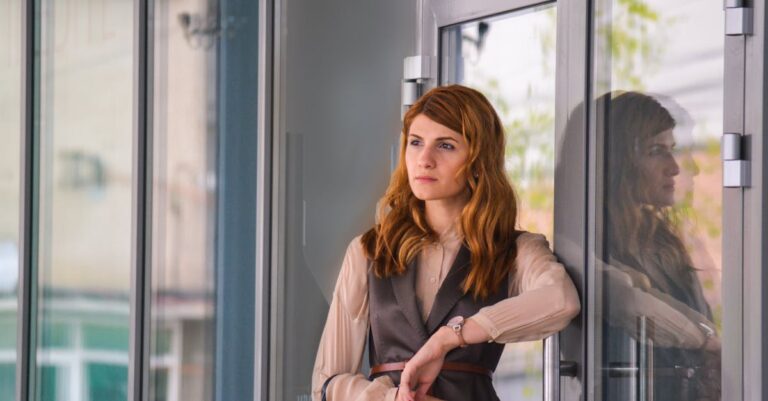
{"type": "Point", "coordinates": [632, 41]}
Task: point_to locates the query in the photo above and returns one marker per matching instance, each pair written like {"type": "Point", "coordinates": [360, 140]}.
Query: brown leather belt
{"type": "Point", "coordinates": [452, 366]}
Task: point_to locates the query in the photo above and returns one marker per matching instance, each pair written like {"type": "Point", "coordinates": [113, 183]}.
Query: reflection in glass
{"type": "Point", "coordinates": [660, 67]}
{"type": "Point", "coordinates": [83, 243]}
{"type": "Point", "coordinates": [183, 220]}
{"type": "Point", "coordinates": [10, 135]}
{"type": "Point", "coordinates": [511, 60]}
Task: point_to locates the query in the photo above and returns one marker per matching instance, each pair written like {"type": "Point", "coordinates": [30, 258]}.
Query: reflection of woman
{"type": "Point", "coordinates": [645, 249]}
{"type": "Point", "coordinates": [444, 278]}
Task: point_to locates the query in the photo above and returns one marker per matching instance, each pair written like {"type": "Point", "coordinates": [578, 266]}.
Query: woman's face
{"type": "Point", "coordinates": [434, 154]}
{"type": "Point", "coordinates": [658, 170]}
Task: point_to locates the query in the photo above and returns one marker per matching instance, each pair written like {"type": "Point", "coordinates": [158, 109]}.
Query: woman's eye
{"type": "Point", "coordinates": [657, 150]}
{"type": "Point", "coordinates": [415, 142]}
{"type": "Point", "coordinates": [447, 146]}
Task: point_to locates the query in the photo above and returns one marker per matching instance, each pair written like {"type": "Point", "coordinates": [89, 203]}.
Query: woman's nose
{"type": "Point", "coordinates": [672, 169]}
{"type": "Point", "coordinates": [426, 159]}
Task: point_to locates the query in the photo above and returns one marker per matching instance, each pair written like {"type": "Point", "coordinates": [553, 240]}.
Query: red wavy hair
{"type": "Point", "coordinates": [488, 219]}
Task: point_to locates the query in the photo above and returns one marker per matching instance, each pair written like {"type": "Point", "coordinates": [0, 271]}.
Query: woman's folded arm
{"type": "Point", "coordinates": [543, 298]}
{"type": "Point", "coordinates": [343, 341]}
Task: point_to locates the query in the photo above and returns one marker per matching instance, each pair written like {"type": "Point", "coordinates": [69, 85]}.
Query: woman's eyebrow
{"type": "Point", "coordinates": [442, 138]}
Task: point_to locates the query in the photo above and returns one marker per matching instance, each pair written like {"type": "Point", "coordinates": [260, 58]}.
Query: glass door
{"type": "Point", "coordinates": [480, 54]}
{"type": "Point", "coordinates": [617, 159]}
{"type": "Point", "coordinates": [658, 318]}
{"type": "Point", "coordinates": [508, 51]}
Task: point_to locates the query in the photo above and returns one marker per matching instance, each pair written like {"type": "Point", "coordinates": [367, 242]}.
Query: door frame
{"type": "Point", "coordinates": [575, 183]}
{"type": "Point", "coordinates": [752, 368]}
{"type": "Point", "coordinates": [571, 179]}
{"type": "Point", "coordinates": [579, 200]}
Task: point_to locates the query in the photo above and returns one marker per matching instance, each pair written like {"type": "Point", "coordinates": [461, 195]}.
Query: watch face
{"type": "Point", "coordinates": [456, 321]}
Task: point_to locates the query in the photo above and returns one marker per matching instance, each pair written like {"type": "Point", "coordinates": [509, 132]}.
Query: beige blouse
{"type": "Point", "coordinates": [542, 300]}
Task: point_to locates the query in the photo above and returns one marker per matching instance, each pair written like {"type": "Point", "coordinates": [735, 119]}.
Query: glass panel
{"type": "Point", "coordinates": [56, 335]}
{"type": "Point", "coordinates": [184, 204]}
{"type": "Point", "coordinates": [659, 78]}
{"type": "Point", "coordinates": [102, 337]}
{"type": "Point", "coordinates": [84, 240]}
{"type": "Point", "coordinates": [54, 383]}
{"type": "Point", "coordinates": [511, 59]}
{"type": "Point", "coordinates": [7, 381]}
{"type": "Point", "coordinates": [203, 223]}
{"type": "Point", "coordinates": [339, 144]}
{"type": "Point", "coordinates": [105, 381]}
{"type": "Point", "coordinates": [10, 135]}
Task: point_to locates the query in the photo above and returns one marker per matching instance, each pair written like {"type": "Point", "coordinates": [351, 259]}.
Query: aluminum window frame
{"type": "Point", "coordinates": [265, 246]}
{"type": "Point", "coordinates": [26, 330]}
{"type": "Point", "coordinates": [141, 202]}
{"type": "Point", "coordinates": [755, 219]}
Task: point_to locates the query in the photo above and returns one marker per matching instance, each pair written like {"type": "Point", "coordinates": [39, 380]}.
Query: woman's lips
{"type": "Point", "coordinates": [425, 179]}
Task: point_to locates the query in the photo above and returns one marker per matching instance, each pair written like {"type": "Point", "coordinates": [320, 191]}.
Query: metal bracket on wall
{"type": "Point", "coordinates": [416, 76]}
{"type": "Point", "coordinates": [738, 18]}
{"type": "Point", "coordinates": [735, 167]}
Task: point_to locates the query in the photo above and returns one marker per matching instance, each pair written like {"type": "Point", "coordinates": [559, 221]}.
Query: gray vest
{"type": "Point", "coordinates": [397, 330]}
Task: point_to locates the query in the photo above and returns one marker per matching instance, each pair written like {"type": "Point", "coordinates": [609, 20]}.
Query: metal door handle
{"type": "Point", "coordinates": [641, 369]}
{"type": "Point", "coordinates": [554, 368]}
{"type": "Point", "coordinates": [645, 360]}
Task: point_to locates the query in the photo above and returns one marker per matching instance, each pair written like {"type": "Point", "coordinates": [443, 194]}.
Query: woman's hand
{"type": "Point", "coordinates": [399, 397]}
{"type": "Point", "coordinates": [422, 370]}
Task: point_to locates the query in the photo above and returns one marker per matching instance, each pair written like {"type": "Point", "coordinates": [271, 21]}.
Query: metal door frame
{"type": "Point", "coordinates": [575, 243]}
{"type": "Point", "coordinates": [571, 88]}
{"type": "Point", "coordinates": [754, 372]}
{"type": "Point", "coordinates": [743, 222]}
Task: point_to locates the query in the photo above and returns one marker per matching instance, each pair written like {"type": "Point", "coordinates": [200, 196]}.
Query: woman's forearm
{"type": "Point", "coordinates": [472, 332]}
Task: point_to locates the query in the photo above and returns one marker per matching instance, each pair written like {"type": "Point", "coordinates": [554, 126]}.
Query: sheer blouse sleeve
{"type": "Point", "coordinates": [542, 298]}
{"type": "Point", "coordinates": [342, 344]}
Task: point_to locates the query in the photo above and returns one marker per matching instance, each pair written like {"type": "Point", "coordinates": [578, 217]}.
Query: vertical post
{"type": "Point", "coordinates": [26, 338]}
{"type": "Point", "coordinates": [645, 359]}
{"type": "Point", "coordinates": [264, 115]}
{"type": "Point", "coordinates": [138, 365]}
{"type": "Point", "coordinates": [552, 368]}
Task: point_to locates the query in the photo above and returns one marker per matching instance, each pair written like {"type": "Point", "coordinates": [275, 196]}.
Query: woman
{"type": "Point", "coordinates": [646, 251]}
{"type": "Point", "coordinates": [444, 278]}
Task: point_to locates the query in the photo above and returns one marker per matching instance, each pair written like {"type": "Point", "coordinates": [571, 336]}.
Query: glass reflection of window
{"type": "Point", "coordinates": [85, 135]}
{"type": "Point", "coordinates": [10, 135]}
{"type": "Point", "coordinates": [509, 58]}
{"type": "Point", "coordinates": [184, 189]}
{"type": "Point", "coordinates": [671, 53]}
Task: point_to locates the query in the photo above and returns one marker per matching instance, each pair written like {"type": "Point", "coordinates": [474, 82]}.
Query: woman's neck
{"type": "Point", "coordinates": [442, 214]}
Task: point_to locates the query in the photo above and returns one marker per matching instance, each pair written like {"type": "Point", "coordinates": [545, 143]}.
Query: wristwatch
{"type": "Point", "coordinates": [456, 324]}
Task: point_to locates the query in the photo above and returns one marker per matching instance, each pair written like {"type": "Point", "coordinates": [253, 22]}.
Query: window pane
{"type": "Point", "coordinates": [7, 381]}
{"type": "Point", "coordinates": [659, 83]}
{"type": "Point", "coordinates": [10, 135]}
{"type": "Point", "coordinates": [184, 203]}
{"type": "Point", "coordinates": [107, 381]}
{"type": "Point", "coordinates": [203, 222]}
{"type": "Point", "coordinates": [84, 237]}
{"type": "Point", "coordinates": [511, 59]}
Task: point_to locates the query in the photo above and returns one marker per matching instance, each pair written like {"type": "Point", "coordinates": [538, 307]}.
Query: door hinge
{"type": "Point", "coordinates": [735, 166]}
{"type": "Point", "coordinates": [416, 77]}
{"type": "Point", "coordinates": [738, 18]}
